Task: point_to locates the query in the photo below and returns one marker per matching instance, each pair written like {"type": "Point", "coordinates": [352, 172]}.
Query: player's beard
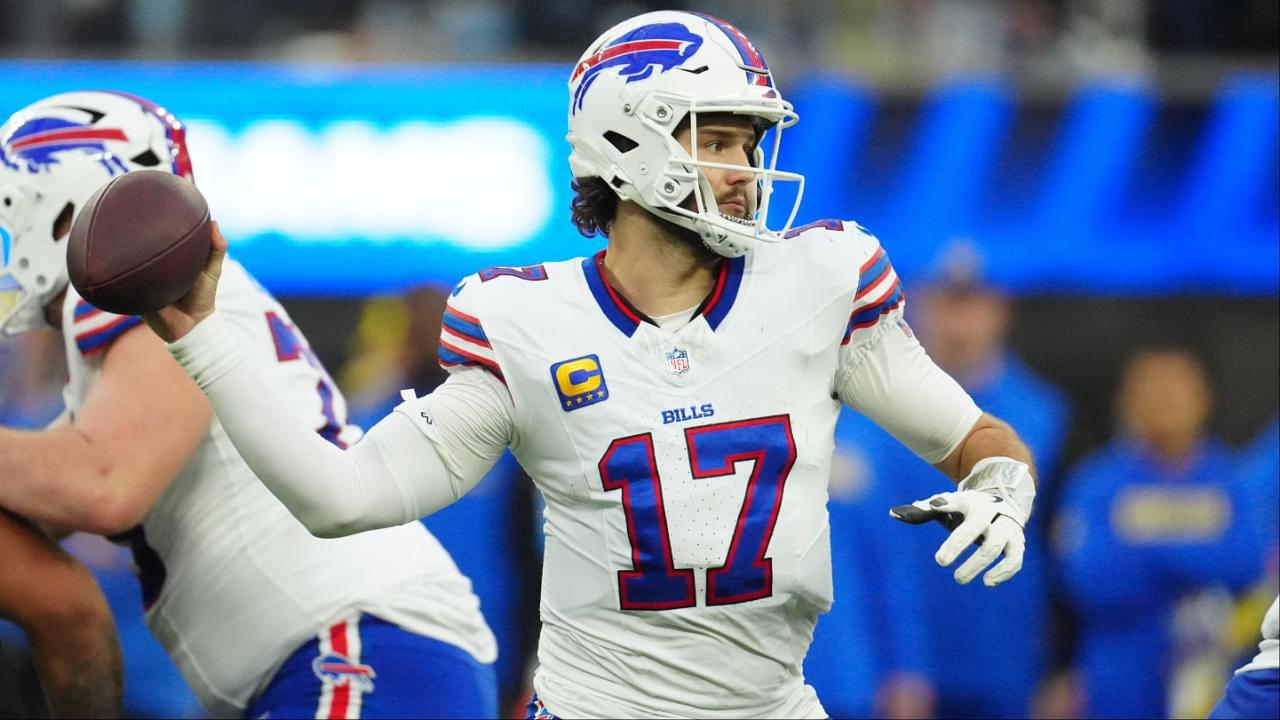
{"type": "Point", "coordinates": [688, 239]}
{"type": "Point", "coordinates": [685, 239]}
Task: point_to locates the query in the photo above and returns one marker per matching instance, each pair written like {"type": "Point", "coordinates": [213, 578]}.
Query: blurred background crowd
{"type": "Point", "coordinates": [1132, 341]}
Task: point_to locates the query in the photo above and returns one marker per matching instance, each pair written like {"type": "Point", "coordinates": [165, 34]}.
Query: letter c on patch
{"type": "Point", "coordinates": [578, 377]}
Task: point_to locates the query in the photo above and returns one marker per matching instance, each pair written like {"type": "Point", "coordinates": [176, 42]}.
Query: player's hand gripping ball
{"type": "Point", "coordinates": [139, 243]}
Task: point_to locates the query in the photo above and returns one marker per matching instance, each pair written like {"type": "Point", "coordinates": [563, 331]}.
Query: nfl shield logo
{"type": "Point", "coordinates": [677, 361]}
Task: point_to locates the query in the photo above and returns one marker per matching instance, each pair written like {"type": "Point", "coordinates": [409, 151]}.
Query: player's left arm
{"type": "Point", "coordinates": [103, 470]}
{"type": "Point", "coordinates": [886, 375]}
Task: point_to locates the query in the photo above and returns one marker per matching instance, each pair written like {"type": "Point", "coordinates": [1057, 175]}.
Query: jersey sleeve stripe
{"type": "Point", "coordinates": [875, 293]}
{"type": "Point", "coordinates": [91, 341]}
{"type": "Point", "coordinates": [451, 310]}
{"type": "Point", "coordinates": [452, 355]}
{"type": "Point", "coordinates": [446, 328]}
{"type": "Point", "coordinates": [872, 270]}
{"type": "Point", "coordinates": [876, 257]}
{"type": "Point", "coordinates": [865, 289]}
{"type": "Point", "coordinates": [464, 329]}
{"type": "Point", "coordinates": [871, 314]}
{"type": "Point", "coordinates": [84, 310]}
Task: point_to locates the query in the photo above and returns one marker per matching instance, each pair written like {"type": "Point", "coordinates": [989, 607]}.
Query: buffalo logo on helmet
{"type": "Point", "coordinates": [663, 46]}
{"type": "Point", "coordinates": [37, 141]}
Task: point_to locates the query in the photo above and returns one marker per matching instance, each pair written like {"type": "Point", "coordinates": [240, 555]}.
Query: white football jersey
{"type": "Point", "coordinates": [1268, 657]}
{"type": "Point", "coordinates": [684, 471]}
{"type": "Point", "coordinates": [232, 583]}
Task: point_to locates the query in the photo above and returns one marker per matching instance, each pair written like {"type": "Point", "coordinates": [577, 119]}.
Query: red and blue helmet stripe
{"type": "Point", "coordinates": [758, 74]}
{"type": "Point", "coordinates": [173, 130]}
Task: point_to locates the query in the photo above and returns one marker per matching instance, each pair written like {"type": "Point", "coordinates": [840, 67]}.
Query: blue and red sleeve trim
{"type": "Point", "coordinates": [466, 326]}
{"type": "Point", "coordinates": [758, 72]}
{"type": "Point", "coordinates": [98, 338]}
{"type": "Point", "coordinates": [871, 314]}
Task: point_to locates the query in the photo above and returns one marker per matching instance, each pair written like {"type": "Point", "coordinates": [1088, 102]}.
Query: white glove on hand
{"type": "Point", "coordinates": [990, 508]}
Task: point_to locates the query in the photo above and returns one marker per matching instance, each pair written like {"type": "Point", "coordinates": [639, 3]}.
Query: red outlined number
{"type": "Point", "coordinates": [653, 582]}
{"type": "Point", "coordinates": [290, 346]}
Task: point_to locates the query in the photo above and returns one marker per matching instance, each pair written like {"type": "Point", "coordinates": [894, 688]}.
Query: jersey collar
{"type": "Point", "coordinates": [627, 318]}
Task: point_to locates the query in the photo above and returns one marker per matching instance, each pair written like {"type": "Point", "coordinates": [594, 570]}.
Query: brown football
{"type": "Point", "coordinates": [139, 242]}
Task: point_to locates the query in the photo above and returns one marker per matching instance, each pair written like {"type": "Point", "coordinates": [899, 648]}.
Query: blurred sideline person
{"type": "Point", "coordinates": [72, 635]}
{"type": "Point", "coordinates": [1254, 688]}
{"type": "Point", "coordinates": [492, 531]}
{"type": "Point", "coordinates": [673, 397]}
{"type": "Point", "coordinates": [1260, 473]}
{"type": "Point", "coordinates": [868, 657]}
{"type": "Point", "coordinates": [393, 348]}
{"type": "Point", "coordinates": [1149, 519]}
{"type": "Point", "coordinates": [963, 318]}
{"type": "Point", "coordinates": [260, 616]}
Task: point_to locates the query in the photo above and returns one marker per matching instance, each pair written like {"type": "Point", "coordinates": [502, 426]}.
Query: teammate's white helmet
{"type": "Point", "coordinates": [54, 154]}
{"type": "Point", "coordinates": [635, 85]}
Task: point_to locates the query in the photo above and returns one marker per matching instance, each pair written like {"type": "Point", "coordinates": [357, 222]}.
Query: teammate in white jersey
{"type": "Point", "coordinates": [260, 616]}
{"type": "Point", "coordinates": [1254, 689]}
{"type": "Point", "coordinates": [673, 398]}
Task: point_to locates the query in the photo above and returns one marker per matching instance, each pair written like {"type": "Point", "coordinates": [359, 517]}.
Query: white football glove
{"type": "Point", "coordinates": [990, 509]}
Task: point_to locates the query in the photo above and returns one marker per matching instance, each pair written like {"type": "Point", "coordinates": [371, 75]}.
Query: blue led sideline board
{"type": "Point", "coordinates": [344, 180]}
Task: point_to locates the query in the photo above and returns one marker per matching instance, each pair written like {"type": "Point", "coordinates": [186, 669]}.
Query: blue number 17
{"type": "Point", "coordinates": [653, 582]}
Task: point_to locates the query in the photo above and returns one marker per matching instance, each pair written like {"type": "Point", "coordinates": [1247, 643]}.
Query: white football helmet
{"type": "Point", "coordinates": [54, 154]}
{"type": "Point", "coordinates": [632, 89]}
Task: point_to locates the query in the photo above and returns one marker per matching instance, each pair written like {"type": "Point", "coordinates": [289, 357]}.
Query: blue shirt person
{"type": "Point", "coordinates": [1154, 515]}
{"type": "Point", "coordinates": [868, 657]}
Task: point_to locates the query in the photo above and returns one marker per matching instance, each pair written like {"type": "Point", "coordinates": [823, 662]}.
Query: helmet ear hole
{"type": "Point", "coordinates": [146, 158]}
{"type": "Point", "coordinates": [620, 142]}
{"type": "Point", "coordinates": [62, 225]}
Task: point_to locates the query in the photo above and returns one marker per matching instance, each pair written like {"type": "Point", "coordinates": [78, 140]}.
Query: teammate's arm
{"type": "Point", "coordinates": [101, 472]}
{"type": "Point", "coordinates": [56, 601]}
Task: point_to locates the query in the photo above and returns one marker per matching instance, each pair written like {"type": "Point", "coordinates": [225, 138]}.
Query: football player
{"type": "Point", "coordinates": [673, 397]}
{"type": "Point", "coordinates": [259, 615]}
{"type": "Point", "coordinates": [1254, 689]}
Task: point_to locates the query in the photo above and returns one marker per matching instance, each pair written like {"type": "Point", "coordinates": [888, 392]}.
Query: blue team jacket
{"type": "Point", "coordinates": [1134, 535]}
